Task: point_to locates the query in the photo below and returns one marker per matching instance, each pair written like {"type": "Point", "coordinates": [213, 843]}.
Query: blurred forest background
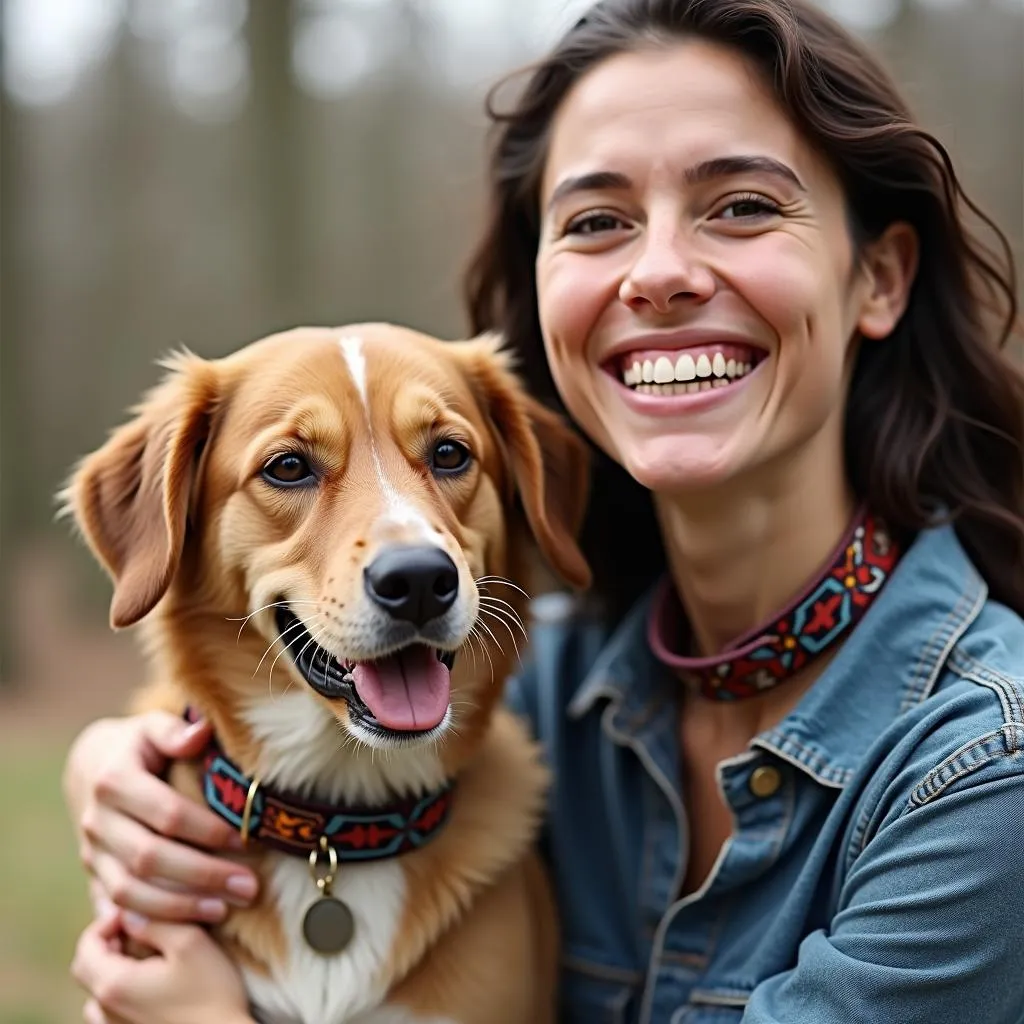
{"type": "Point", "coordinates": [203, 172]}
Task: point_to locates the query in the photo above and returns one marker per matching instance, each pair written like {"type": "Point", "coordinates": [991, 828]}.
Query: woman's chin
{"type": "Point", "coordinates": [676, 465]}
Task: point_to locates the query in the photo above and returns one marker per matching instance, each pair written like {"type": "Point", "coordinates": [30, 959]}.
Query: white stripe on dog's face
{"type": "Point", "coordinates": [400, 512]}
{"type": "Point", "coordinates": [352, 350]}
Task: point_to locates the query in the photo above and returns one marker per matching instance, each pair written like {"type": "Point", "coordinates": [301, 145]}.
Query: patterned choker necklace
{"type": "Point", "coordinates": [824, 613]}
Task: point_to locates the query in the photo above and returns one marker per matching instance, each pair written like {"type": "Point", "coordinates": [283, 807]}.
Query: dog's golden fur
{"type": "Point", "coordinates": [176, 509]}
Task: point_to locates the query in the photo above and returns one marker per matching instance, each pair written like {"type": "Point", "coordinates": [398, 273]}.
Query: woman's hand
{"type": "Point", "coordinates": [133, 827]}
{"type": "Point", "coordinates": [188, 981]}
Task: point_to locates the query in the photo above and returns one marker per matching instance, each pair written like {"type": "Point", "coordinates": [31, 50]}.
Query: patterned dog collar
{"type": "Point", "coordinates": [295, 825]}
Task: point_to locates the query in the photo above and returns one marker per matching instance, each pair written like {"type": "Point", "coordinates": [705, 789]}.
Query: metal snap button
{"type": "Point", "coordinates": [765, 780]}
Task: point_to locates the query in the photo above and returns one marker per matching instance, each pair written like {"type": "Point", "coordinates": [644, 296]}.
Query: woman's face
{"type": "Point", "coordinates": [696, 282]}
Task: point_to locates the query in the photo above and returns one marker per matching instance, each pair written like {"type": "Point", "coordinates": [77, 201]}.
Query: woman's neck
{"type": "Point", "coordinates": [736, 557]}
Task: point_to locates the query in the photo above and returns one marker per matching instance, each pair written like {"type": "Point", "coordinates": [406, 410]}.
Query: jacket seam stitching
{"type": "Point", "coordinates": [1008, 688]}
{"type": "Point", "coordinates": [794, 752]}
{"type": "Point", "coordinates": [930, 788]}
{"type": "Point", "coordinates": [939, 646]}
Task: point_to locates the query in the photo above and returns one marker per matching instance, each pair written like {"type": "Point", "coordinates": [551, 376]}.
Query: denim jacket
{"type": "Point", "coordinates": [875, 871]}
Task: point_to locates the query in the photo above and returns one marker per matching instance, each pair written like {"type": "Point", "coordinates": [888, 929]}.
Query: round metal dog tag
{"type": "Point", "coordinates": [328, 926]}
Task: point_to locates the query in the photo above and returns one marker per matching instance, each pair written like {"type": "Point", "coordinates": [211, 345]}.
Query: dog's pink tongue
{"type": "Point", "coordinates": [409, 690]}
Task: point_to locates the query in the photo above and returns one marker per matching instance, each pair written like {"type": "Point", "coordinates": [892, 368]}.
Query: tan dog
{"type": "Point", "coordinates": [353, 498]}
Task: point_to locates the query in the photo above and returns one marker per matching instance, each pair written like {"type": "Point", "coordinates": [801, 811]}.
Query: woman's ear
{"type": "Point", "coordinates": [131, 498]}
{"type": "Point", "coordinates": [889, 265]}
{"type": "Point", "coordinates": [548, 461]}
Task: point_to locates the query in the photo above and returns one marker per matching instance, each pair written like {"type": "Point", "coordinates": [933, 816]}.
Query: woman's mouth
{"type": "Point", "coordinates": [686, 371]}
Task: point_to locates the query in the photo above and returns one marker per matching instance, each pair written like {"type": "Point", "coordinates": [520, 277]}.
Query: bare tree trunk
{"type": "Point", "coordinates": [277, 160]}
{"type": "Point", "coordinates": [15, 457]}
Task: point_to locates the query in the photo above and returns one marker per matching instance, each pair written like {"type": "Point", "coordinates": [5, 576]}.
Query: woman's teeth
{"type": "Point", "coordinates": [682, 374]}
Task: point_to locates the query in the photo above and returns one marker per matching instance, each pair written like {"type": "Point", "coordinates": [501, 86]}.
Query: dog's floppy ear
{"type": "Point", "coordinates": [548, 460]}
{"type": "Point", "coordinates": [131, 497]}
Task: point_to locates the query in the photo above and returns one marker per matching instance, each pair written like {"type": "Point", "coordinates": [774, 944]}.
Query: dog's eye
{"type": "Point", "coordinates": [288, 469]}
{"type": "Point", "coordinates": [449, 457]}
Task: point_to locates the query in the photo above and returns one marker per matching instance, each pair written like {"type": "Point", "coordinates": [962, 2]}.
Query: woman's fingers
{"type": "Point", "coordinates": [168, 939]}
{"type": "Point", "coordinates": [102, 905]}
{"type": "Point", "coordinates": [102, 970]}
{"type": "Point", "coordinates": [189, 979]}
{"type": "Point", "coordinates": [156, 805]}
{"type": "Point", "coordinates": [95, 965]}
{"type": "Point", "coordinates": [93, 1013]}
{"type": "Point", "coordinates": [139, 836]}
{"type": "Point", "coordinates": [170, 738]}
{"type": "Point", "coordinates": [149, 857]}
{"type": "Point", "coordinates": [131, 893]}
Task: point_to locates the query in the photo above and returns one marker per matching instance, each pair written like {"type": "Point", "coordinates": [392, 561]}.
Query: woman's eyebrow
{"type": "Point", "coordinates": [594, 181]}
{"type": "Point", "coordinates": [725, 166]}
{"type": "Point", "coordinates": [707, 170]}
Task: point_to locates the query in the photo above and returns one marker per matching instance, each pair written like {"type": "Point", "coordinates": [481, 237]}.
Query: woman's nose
{"type": "Point", "coordinates": [667, 269]}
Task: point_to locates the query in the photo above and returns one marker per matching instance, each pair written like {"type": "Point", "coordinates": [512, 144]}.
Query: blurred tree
{"type": "Point", "coordinates": [16, 482]}
{"type": "Point", "coordinates": [277, 159]}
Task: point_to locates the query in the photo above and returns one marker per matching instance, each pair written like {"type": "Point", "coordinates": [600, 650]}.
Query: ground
{"type": "Point", "coordinates": [73, 671]}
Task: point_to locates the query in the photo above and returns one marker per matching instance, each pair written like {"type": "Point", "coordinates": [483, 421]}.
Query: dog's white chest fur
{"type": "Point", "coordinates": [300, 746]}
{"type": "Point", "coordinates": [310, 988]}
{"type": "Point", "coordinates": [341, 989]}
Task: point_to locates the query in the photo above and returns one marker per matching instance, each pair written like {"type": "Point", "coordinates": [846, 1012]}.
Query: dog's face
{"type": "Point", "coordinates": [351, 491]}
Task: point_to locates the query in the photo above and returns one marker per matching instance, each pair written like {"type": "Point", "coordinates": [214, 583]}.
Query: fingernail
{"type": "Point", "coordinates": [212, 909]}
{"type": "Point", "coordinates": [104, 908]}
{"type": "Point", "coordinates": [243, 886]}
{"type": "Point", "coordinates": [133, 921]}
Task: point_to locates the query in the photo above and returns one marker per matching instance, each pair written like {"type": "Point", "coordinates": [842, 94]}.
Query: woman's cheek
{"type": "Point", "coordinates": [572, 293]}
{"type": "Point", "coordinates": [558, 317]}
{"type": "Point", "coordinates": [783, 291]}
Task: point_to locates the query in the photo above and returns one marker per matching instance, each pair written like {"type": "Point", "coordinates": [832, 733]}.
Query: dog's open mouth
{"type": "Point", "coordinates": [407, 692]}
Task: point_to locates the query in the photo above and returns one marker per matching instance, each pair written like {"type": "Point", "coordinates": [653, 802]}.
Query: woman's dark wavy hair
{"type": "Point", "coordinates": [935, 417]}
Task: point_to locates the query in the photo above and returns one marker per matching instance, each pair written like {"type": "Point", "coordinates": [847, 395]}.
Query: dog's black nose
{"type": "Point", "coordinates": [415, 584]}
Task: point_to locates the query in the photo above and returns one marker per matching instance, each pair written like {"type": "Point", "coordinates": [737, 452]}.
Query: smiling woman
{"type": "Point", "coordinates": [721, 243]}
{"type": "Point", "coordinates": [784, 727]}
{"type": "Point", "coordinates": [775, 171]}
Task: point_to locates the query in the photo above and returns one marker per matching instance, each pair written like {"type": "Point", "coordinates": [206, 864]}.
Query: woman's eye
{"type": "Point", "coordinates": [746, 207]}
{"type": "Point", "coordinates": [449, 457]}
{"type": "Point", "coordinates": [593, 223]}
{"type": "Point", "coordinates": [288, 470]}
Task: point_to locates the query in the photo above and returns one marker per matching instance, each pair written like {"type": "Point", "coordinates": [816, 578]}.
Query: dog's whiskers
{"type": "Point", "coordinates": [502, 581]}
{"type": "Point", "coordinates": [294, 625]}
{"type": "Point", "coordinates": [474, 632]}
{"type": "Point", "coordinates": [456, 704]}
{"type": "Point", "coordinates": [497, 604]}
{"type": "Point", "coordinates": [467, 644]}
{"type": "Point", "coordinates": [506, 610]}
{"type": "Point", "coordinates": [317, 648]}
{"type": "Point", "coordinates": [273, 604]}
{"type": "Point", "coordinates": [507, 615]}
{"type": "Point", "coordinates": [323, 650]}
{"type": "Point", "coordinates": [494, 615]}
{"type": "Point", "coordinates": [497, 643]}
{"type": "Point", "coordinates": [311, 640]}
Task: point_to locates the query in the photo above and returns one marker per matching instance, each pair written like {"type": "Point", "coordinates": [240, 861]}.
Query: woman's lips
{"type": "Point", "coordinates": [682, 393]}
{"type": "Point", "coordinates": [685, 369]}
